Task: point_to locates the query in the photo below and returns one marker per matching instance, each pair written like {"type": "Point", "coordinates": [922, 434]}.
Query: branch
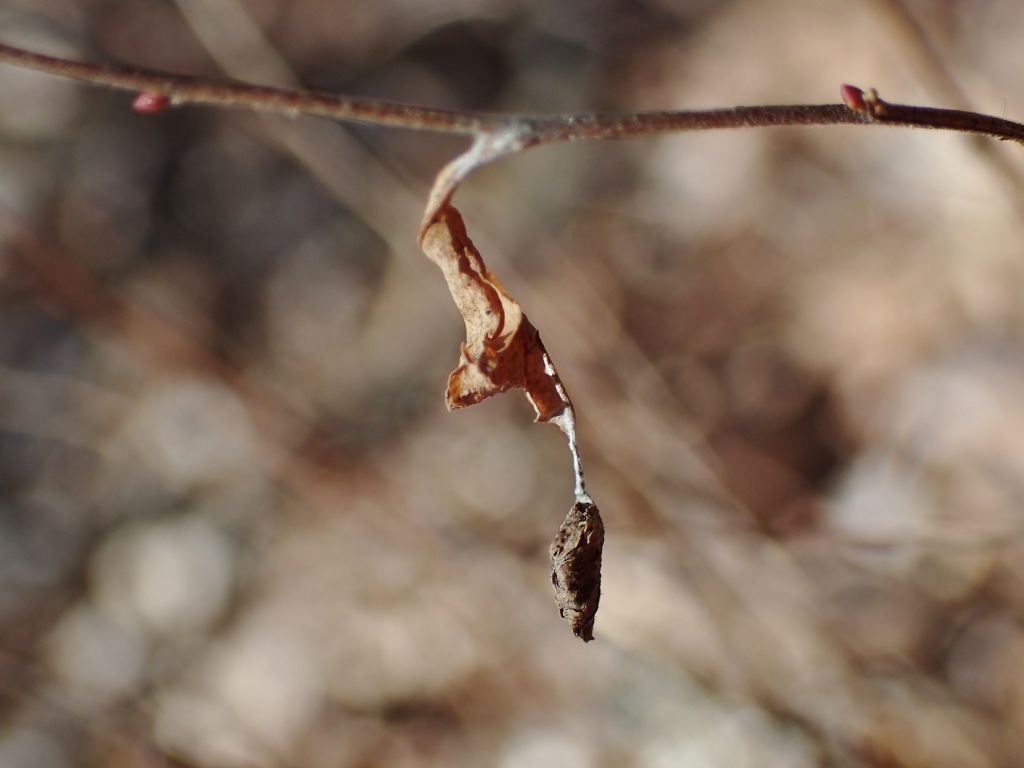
{"type": "Point", "coordinates": [859, 108]}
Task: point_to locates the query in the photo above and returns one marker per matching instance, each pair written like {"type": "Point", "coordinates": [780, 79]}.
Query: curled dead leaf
{"type": "Point", "coordinates": [502, 348]}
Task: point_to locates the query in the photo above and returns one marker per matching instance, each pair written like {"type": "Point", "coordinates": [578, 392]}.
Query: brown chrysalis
{"type": "Point", "coordinates": [576, 567]}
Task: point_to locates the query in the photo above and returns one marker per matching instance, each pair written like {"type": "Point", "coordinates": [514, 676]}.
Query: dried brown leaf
{"type": "Point", "coordinates": [502, 348]}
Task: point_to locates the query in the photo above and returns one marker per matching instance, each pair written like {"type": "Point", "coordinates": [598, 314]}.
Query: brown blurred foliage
{"type": "Point", "coordinates": [238, 527]}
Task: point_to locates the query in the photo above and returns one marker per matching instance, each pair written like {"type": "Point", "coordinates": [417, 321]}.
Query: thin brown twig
{"type": "Point", "coordinates": [533, 130]}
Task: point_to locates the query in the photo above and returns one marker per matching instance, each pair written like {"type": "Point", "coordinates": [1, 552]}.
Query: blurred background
{"type": "Point", "coordinates": [238, 527]}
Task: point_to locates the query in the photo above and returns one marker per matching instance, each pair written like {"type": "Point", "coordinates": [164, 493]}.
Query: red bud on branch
{"type": "Point", "coordinates": [149, 102]}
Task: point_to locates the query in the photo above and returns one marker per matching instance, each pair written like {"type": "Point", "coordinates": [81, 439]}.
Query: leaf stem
{"type": "Point", "coordinates": [539, 129]}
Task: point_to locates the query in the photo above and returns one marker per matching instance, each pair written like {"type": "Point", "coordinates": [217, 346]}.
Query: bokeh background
{"type": "Point", "coordinates": [238, 527]}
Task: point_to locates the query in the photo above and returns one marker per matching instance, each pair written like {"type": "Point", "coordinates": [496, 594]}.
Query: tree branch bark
{"type": "Point", "coordinates": [533, 129]}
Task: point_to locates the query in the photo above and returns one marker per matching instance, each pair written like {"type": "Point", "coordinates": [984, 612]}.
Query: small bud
{"type": "Point", "coordinates": [853, 97]}
{"type": "Point", "coordinates": [149, 103]}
